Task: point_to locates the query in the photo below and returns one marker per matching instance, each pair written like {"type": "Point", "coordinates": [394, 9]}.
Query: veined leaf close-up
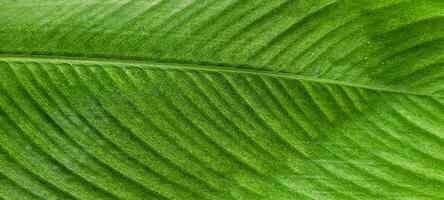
{"type": "Point", "coordinates": [221, 99]}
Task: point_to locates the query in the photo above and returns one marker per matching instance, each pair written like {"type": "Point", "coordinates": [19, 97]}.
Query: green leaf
{"type": "Point", "coordinates": [222, 99]}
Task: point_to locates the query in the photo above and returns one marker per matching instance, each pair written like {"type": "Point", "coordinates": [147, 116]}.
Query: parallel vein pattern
{"type": "Point", "coordinates": [368, 42]}
{"type": "Point", "coordinates": [76, 130]}
{"type": "Point", "coordinates": [222, 99]}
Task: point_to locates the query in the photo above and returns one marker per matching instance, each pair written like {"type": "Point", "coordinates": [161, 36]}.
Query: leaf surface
{"type": "Point", "coordinates": [221, 99]}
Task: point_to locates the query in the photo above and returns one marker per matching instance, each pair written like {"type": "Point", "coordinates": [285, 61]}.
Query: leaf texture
{"type": "Point", "coordinates": [216, 99]}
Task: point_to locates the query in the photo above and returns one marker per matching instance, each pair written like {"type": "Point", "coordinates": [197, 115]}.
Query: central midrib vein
{"type": "Point", "coordinates": [185, 66]}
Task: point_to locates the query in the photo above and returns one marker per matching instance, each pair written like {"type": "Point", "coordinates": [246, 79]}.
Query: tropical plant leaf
{"type": "Point", "coordinates": [222, 99]}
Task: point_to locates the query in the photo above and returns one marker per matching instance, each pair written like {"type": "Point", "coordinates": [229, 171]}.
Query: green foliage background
{"type": "Point", "coordinates": [222, 99]}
